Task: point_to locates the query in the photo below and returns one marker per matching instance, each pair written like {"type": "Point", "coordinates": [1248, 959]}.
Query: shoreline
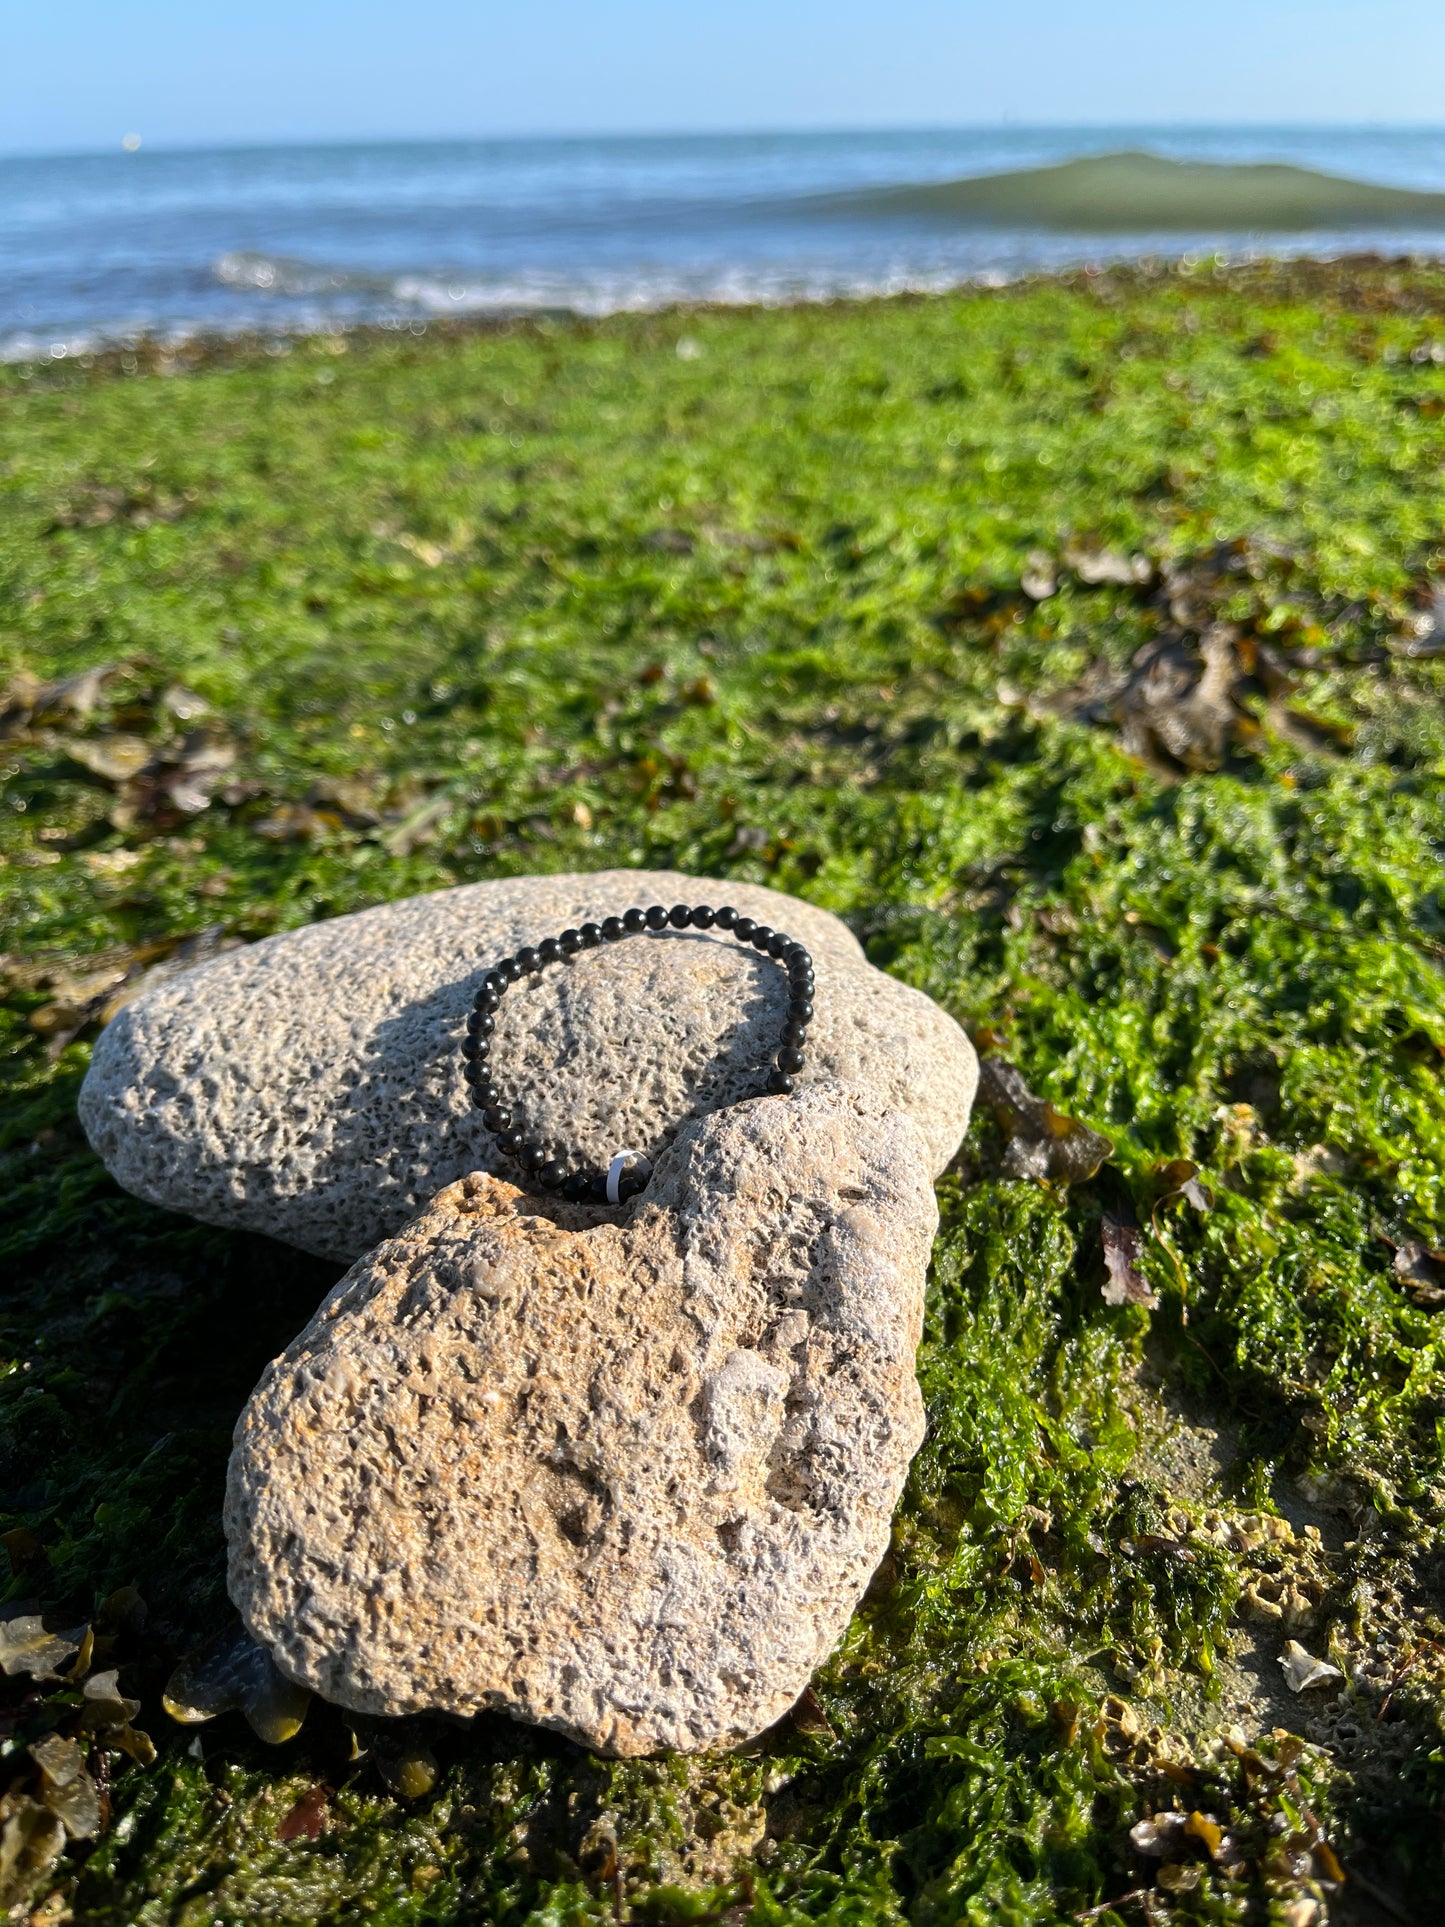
{"type": "Point", "coordinates": [156, 353]}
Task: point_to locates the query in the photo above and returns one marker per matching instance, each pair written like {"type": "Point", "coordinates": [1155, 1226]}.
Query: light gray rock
{"type": "Point", "coordinates": [622, 1473]}
{"type": "Point", "coordinates": [310, 1086]}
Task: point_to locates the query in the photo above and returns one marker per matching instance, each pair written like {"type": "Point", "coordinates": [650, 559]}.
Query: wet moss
{"type": "Point", "coordinates": [862, 602]}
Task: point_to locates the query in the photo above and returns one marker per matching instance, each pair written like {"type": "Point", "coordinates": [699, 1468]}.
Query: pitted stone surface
{"type": "Point", "coordinates": [622, 1473]}
{"type": "Point", "coordinates": [310, 1086]}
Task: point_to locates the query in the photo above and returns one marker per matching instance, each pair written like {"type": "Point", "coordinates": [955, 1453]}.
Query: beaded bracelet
{"type": "Point", "coordinates": [551, 1165]}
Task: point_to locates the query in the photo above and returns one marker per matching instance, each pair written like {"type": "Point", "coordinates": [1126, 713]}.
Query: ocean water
{"type": "Point", "coordinates": [101, 246]}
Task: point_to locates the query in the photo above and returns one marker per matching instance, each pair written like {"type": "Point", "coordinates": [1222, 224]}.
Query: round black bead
{"type": "Point", "coordinates": [801, 983]}
{"type": "Point", "coordinates": [494, 982]}
{"type": "Point", "coordinates": [553, 1174]}
{"type": "Point", "coordinates": [779, 1083]}
{"type": "Point", "coordinates": [481, 1023]}
{"type": "Point", "coordinates": [487, 999]}
{"type": "Point", "coordinates": [527, 960]}
{"type": "Point", "coordinates": [591, 935]}
{"type": "Point", "coordinates": [777, 944]}
{"type": "Point", "coordinates": [474, 1050]}
{"type": "Point", "coordinates": [497, 1117]}
{"type": "Point", "coordinates": [634, 921]}
{"type": "Point", "coordinates": [680, 916]}
{"type": "Point", "coordinates": [762, 936]}
{"type": "Point", "coordinates": [800, 1010]}
{"type": "Point", "coordinates": [794, 1031]}
{"type": "Point", "coordinates": [726, 917]}
{"type": "Point", "coordinates": [486, 1092]}
{"type": "Point", "coordinates": [532, 1157]}
{"type": "Point", "coordinates": [790, 1060]}
{"type": "Point", "coordinates": [574, 1187]}
{"type": "Point", "coordinates": [549, 950]}
{"type": "Point", "coordinates": [799, 963]}
{"type": "Point", "coordinates": [597, 1187]}
{"type": "Point", "coordinates": [656, 917]}
{"type": "Point", "coordinates": [743, 928]}
{"type": "Point", "coordinates": [613, 929]}
{"type": "Point", "coordinates": [510, 1141]}
{"type": "Point", "coordinates": [703, 916]}
{"type": "Point", "coordinates": [509, 970]}
{"type": "Point", "coordinates": [629, 1186]}
{"type": "Point", "coordinates": [570, 942]}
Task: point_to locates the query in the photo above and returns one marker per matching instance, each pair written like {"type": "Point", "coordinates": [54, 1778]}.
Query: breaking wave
{"type": "Point", "coordinates": [1148, 193]}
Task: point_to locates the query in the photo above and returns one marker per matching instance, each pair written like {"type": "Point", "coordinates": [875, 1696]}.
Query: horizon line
{"type": "Point", "coordinates": [268, 143]}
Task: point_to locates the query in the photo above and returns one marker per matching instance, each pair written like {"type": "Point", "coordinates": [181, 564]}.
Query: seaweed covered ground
{"type": "Point", "coordinates": [1082, 643]}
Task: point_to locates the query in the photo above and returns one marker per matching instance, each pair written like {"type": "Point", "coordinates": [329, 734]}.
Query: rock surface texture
{"type": "Point", "coordinates": [622, 1473]}
{"type": "Point", "coordinates": [310, 1086]}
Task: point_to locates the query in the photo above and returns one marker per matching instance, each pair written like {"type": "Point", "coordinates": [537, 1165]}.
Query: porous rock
{"type": "Point", "coordinates": [622, 1473]}
{"type": "Point", "coordinates": [310, 1086]}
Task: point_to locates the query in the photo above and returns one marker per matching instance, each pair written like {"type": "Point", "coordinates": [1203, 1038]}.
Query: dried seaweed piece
{"type": "Point", "coordinates": [28, 700]}
{"type": "Point", "coordinates": [66, 1786]}
{"type": "Point", "coordinates": [32, 1839]}
{"type": "Point", "coordinates": [1042, 1142]}
{"type": "Point", "coordinates": [27, 1647]}
{"type": "Point", "coordinates": [114, 759]}
{"type": "Point", "coordinates": [103, 1705]}
{"type": "Point", "coordinates": [1126, 1284]}
{"type": "Point", "coordinates": [1178, 700]}
{"type": "Point", "coordinates": [1302, 1670]}
{"type": "Point", "coordinates": [1097, 567]}
{"type": "Point", "coordinates": [231, 1673]}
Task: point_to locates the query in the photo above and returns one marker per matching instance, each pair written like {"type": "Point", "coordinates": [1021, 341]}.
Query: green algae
{"type": "Point", "coordinates": [556, 596]}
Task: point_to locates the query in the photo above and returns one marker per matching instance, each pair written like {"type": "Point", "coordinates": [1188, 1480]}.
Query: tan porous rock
{"type": "Point", "coordinates": [622, 1473]}
{"type": "Point", "coordinates": [310, 1086]}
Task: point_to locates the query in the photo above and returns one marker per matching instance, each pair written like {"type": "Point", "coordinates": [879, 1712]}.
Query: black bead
{"type": "Point", "coordinates": [628, 1186]}
{"type": "Point", "coordinates": [726, 917]}
{"type": "Point", "coordinates": [613, 928]}
{"type": "Point", "coordinates": [703, 916]}
{"type": "Point", "coordinates": [481, 1023]}
{"type": "Point", "coordinates": [790, 1060]}
{"type": "Point", "coordinates": [591, 935]}
{"type": "Point", "coordinates": [680, 916]}
{"type": "Point", "coordinates": [473, 1050]}
{"type": "Point", "coordinates": [778, 944]}
{"type": "Point", "coordinates": [656, 917]}
{"type": "Point", "coordinates": [597, 1187]}
{"type": "Point", "coordinates": [497, 1117]}
{"type": "Point", "coordinates": [510, 1141]}
{"type": "Point", "coordinates": [509, 970]}
{"type": "Point", "coordinates": [634, 921]}
{"type": "Point", "coordinates": [762, 936]}
{"type": "Point", "coordinates": [494, 983]}
{"type": "Point", "coordinates": [487, 1000]}
{"type": "Point", "coordinates": [528, 960]}
{"type": "Point", "coordinates": [800, 1010]}
{"type": "Point", "coordinates": [801, 983]}
{"type": "Point", "coordinates": [532, 1157]}
{"type": "Point", "coordinates": [800, 964]}
{"type": "Point", "coordinates": [570, 942]}
{"type": "Point", "coordinates": [486, 1092]}
{"type": "Point", "coordinates": [553, 1174]}
{"type": "Point", "coordinates": [779, 1083]}
{"type": "Point", "coordinates": [574, 1187]}
{"type": "Point", "coordinates": [794, 1031]}
{"type": "Point", "coordinates": [743, 928]}
{"type": "Point", "coordinates": [549, 950]}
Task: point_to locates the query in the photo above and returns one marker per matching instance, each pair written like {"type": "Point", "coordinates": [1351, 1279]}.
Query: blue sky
{"type": "Point", "coordinates": [83, 73]}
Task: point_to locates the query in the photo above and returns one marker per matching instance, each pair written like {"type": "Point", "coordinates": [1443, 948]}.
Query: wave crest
{"type": "Point", "coordinates": [1149, 193]}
